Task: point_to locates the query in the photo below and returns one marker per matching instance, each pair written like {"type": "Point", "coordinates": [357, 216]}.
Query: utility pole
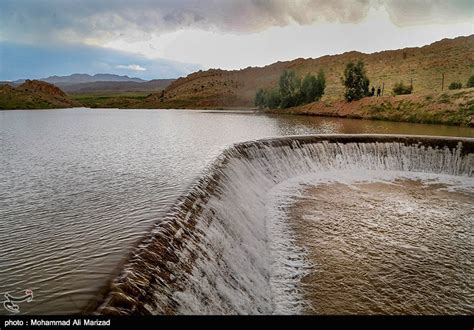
{"type": "Point", "coordinates": [442, 83]}
{"type": "Point", "coordinates": [383, 86]}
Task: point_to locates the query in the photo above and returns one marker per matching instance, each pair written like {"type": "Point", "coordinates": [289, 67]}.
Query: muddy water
{"type": "Point", "coordinates": [386, 248]}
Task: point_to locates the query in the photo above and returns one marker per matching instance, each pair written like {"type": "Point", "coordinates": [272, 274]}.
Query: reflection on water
{"type": "Point", "coordinates": [79, 187]}
{"type": "Point", "coordinates": [288, 124]}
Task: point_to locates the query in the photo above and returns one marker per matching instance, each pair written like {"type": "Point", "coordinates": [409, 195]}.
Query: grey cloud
{"type": "Point", "coordinates": [412, 12]}
{"type": "Point", "coordinates": [59, 19]}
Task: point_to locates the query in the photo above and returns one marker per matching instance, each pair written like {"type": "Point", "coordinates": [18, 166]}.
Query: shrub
{"type": "Point", "coordinates": [455, 85]}
{"type": "Point", "coordinates": [470, 82]}
{"type": "Point", "coordinates": [401, 89]}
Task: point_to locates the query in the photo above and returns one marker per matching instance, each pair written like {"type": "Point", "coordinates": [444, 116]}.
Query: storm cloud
{"type": "Point", "coordinates": [163, 38]}
{"type": "Point", "coordinates": [83, 20]}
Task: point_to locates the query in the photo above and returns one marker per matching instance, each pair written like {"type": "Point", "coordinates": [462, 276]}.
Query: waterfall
{"type": "Point", "coordinates": [221, 250]}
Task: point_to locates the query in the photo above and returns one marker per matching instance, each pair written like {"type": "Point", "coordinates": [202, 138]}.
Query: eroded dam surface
{"type": "Point", "coordinates": [326, 224]}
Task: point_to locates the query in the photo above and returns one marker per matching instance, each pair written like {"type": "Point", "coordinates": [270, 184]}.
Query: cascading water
{"type": "Point", "coordinates": [224, 250]}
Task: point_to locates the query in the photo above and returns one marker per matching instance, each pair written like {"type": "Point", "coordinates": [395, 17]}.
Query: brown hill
{"type": "Point", "coordinates": [422, 65]}
{"type": "Point", "coordinates": [34, 94]}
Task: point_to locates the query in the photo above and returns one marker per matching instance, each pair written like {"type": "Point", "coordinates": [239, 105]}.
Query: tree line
{"type": "Point", "coordinates": [292, 91]}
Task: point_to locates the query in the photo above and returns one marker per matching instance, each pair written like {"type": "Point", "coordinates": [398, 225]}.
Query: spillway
{"type": "Point", "coordinates": [228, 246]}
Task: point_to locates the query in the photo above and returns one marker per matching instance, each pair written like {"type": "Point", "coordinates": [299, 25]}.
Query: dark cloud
{"type": "Point", "coordinates": [107, 19]}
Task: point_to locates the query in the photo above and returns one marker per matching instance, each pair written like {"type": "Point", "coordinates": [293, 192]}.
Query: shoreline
{"type": "Point", "coordinates": [452, 108]}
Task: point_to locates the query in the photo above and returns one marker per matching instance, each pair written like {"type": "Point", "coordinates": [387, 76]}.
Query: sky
{"type": "Point", "coordinates": [154, 39]}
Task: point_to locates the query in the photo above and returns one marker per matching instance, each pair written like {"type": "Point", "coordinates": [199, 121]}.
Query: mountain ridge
{"type": "Point", "coordinates": [77, 78]}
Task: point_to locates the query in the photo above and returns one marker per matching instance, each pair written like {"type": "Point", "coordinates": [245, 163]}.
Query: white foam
{"type": "Point", "coordinates": [289, 262]}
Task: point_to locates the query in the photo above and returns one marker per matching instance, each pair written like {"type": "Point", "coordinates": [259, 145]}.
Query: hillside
{"type": "Point", "coordinates": [454, 107]}
{"type": "Point", "coordinates": [423, 65]}
{"type": "Point", "coordinates": [34, 94]}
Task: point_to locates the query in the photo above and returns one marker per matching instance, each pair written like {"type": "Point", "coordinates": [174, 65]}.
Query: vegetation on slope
{"type": "Point", "coordinates": [292, 91]}
{"type": "Point", "coordinates": [401, 89]}
{"type": "Point", "coordinates": [423, 66]}
{"type": "Point", "coordinates": [34, 94]}
{"type": "Point", "coordinates": [454, 107]}
{"type": "Point", "coordinates": [111, 99]}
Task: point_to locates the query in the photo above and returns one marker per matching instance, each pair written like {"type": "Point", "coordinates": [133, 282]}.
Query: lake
{"type": "Point", "coordinates": [80, 187]}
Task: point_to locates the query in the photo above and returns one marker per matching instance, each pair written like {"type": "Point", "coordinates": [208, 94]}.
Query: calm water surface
{"type": "Point", "coordinates": [79, 187]}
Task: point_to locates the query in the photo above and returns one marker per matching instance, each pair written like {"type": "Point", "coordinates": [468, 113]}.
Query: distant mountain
{"type": "Point", "coordinates": [98, 83]}
{"type": "Point", "coordinates": [34, 94]}
{"type": "Point", "coordinates": [79, 78]}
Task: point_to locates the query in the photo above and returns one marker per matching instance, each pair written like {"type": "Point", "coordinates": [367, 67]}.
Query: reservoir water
{"type": "Point", "coordinates": [80, 187]}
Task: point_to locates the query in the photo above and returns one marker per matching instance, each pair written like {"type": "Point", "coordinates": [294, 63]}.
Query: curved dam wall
{"type": "Point", "coordinates": [219, 252]}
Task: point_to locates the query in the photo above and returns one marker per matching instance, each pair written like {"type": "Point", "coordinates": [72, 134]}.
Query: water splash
{"type": "Point", "coordinates": [221, 251]}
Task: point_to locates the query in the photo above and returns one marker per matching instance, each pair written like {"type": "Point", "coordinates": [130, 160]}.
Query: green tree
{"type": "Point", "coordinates": [291, 91]}
{"type": "Point", "coordinates": [307, 88]}
{"type": "Point", "coordinates": [260, 98]}
{"type": "Point", "coordinates": [273, 98]}
{"type": "Point", "coordinates": [321, 84]}
{"type": "Point", "coordinates": [289, 88]}
{"type": "Point", "coordinates": [355, 81]}
{"type": "Point", "coordinates": [312, 88]}
{"type": "Point", "coordinates": [470, 82]}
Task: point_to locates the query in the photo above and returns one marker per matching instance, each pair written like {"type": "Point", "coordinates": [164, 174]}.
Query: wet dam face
{"type": "Point", "coordinates": [337, 224]}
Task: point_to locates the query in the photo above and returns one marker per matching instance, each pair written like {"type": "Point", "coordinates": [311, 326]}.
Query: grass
{"type": "Point", "coordinates": [21, 101]}
{"type": "Point", "coordinates": [109, 100]}
{"type": "Point", "coordinates": [444, 98]}
{"type": "Point", "coordinates": [431, 110]}
{"type": "Point", "coordinates": [450, 108]}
